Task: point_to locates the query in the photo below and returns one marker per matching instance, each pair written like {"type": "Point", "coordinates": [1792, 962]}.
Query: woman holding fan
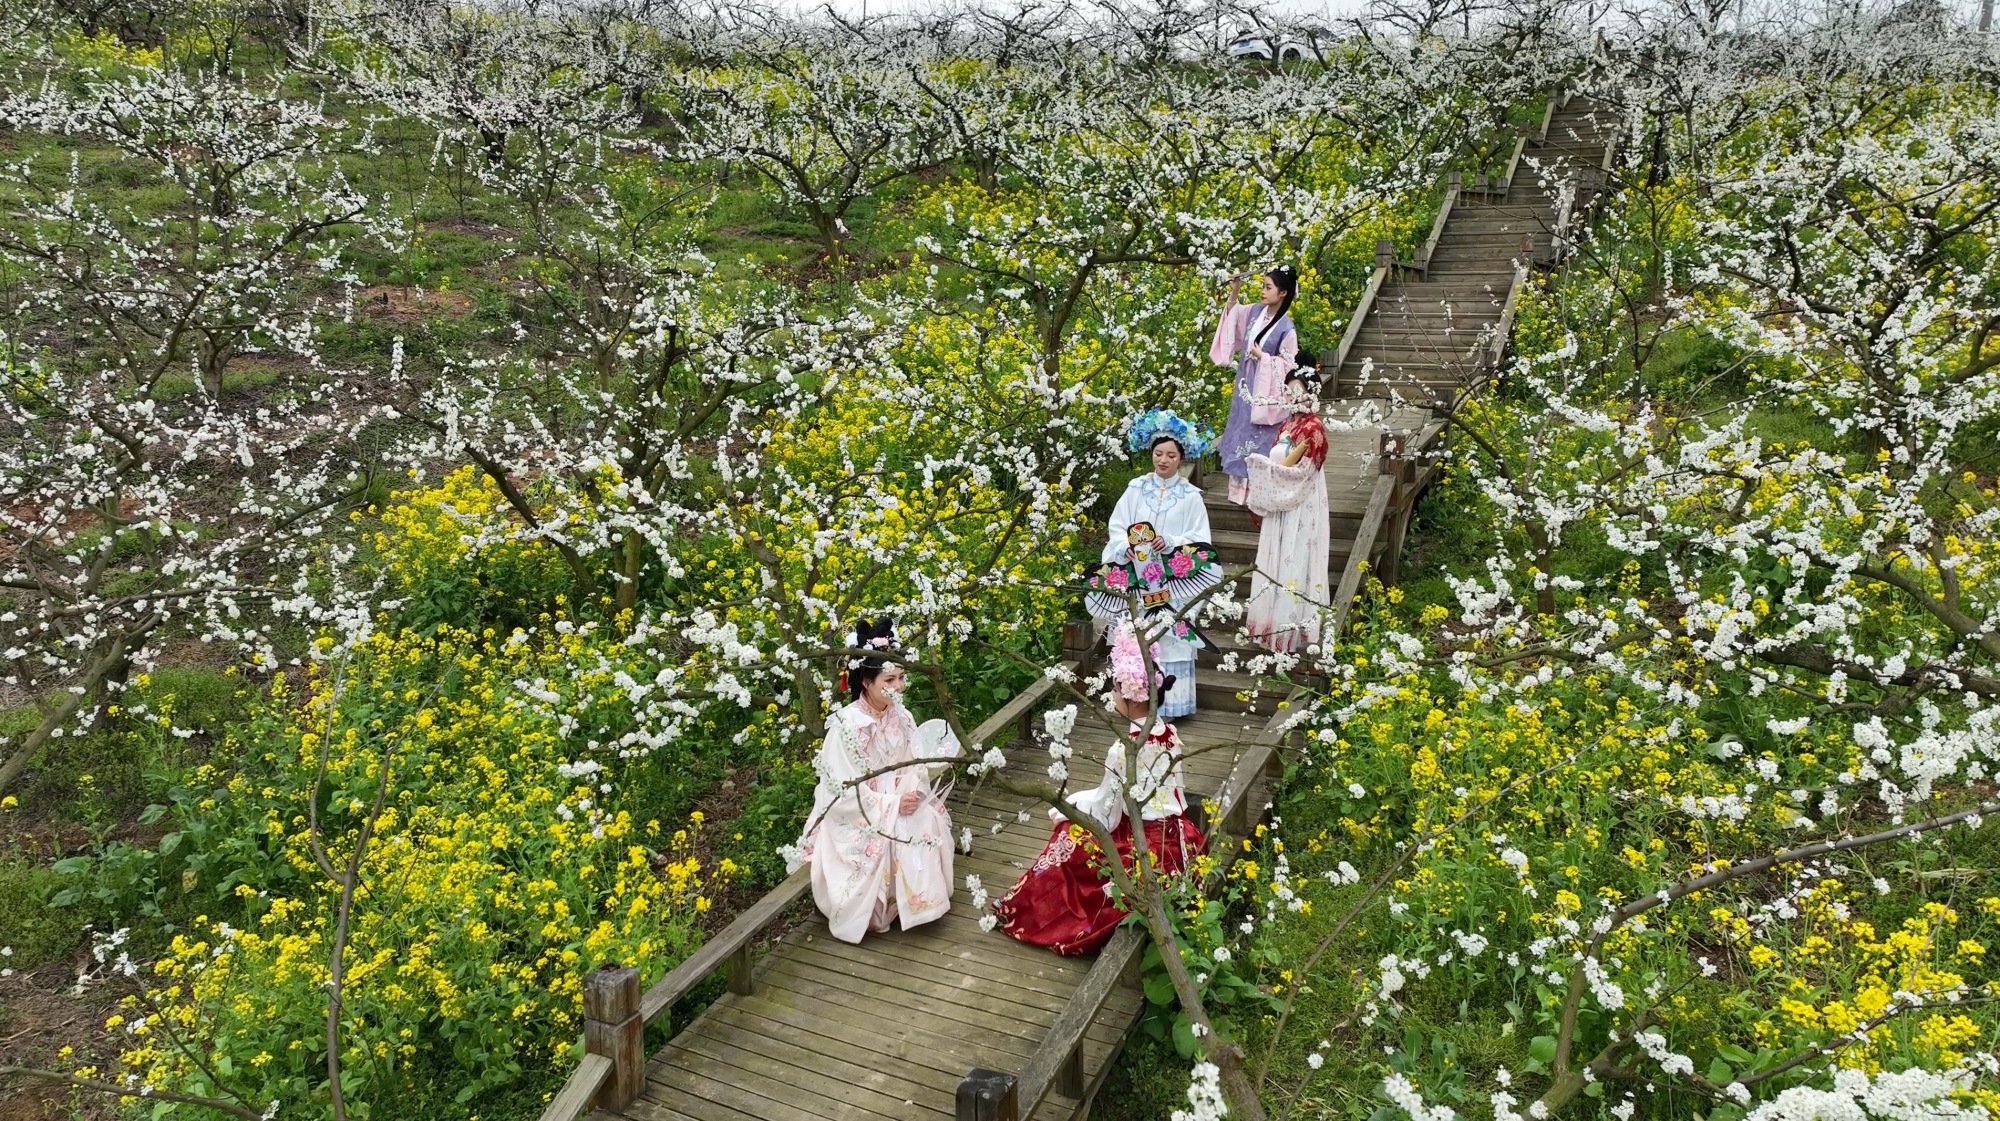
{"type": "Point", "coordinates": [1259, 342]}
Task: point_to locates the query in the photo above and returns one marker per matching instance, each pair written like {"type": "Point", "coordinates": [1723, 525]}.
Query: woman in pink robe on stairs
{"type": "Point", "coordinates": [1259, 342]}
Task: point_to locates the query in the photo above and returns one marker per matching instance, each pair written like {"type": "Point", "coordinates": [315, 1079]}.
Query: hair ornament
{"type": "Point", "coordinates": [1128, 664]}
{"type": "Point", "coordinates": [1194, 438]}
{"type": "Point", "coordinates": [879, 635]}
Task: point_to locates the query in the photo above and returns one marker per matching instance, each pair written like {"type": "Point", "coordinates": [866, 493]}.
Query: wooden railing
{"type": "Point", "coordinates": [615, 1013]}
{"type": "Point", "coordinates": [1521, 142]}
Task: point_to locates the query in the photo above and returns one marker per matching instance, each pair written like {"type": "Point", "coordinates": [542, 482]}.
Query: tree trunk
{"type": "Point", "coordinates": [1226, 1055]}
{"type": "Point", "coordinates": [628, 588]}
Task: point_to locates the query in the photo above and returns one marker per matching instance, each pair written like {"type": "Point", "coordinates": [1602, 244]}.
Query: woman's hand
{"type": "Point", "coordinates": [911, 800]}
{"type": "Point", "coordinates": [1235, 286]}
{"type": "Point", "coordinates": [1256, 352]}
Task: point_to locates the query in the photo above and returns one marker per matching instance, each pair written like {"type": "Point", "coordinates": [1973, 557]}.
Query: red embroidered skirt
{"type": "Point", "coordinates": [1059, 902]}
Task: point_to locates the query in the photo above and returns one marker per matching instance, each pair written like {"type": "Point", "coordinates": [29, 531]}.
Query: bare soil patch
{"type": "Point", "coordinates": [38, 1017]}
{"type": "Point", "coordinates": [402, 303]}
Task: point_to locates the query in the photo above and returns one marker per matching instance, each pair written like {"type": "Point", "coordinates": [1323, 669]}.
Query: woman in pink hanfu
{"type": "Point", "coordinates": [879, 843]}
{"type": "Point", "coordinates": [1258, 340]}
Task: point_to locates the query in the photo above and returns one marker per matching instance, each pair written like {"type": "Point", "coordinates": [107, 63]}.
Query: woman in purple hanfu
{"type": "Point", "coordinates": [1258, 340]}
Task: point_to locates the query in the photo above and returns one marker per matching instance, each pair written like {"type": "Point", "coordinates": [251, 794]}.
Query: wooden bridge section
{"type": "Point", "coordinates": [814, 1028]}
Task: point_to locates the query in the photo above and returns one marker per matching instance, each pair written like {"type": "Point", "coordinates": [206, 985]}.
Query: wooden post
{"type": "Point", "coordinates": [612, 1028]}
{"type": "Point", "coordinates": [1389, 453]}
{"type": "Point", "coordinates": [1392, 551]}
{"type": "Point", "coordinates": [1385, 254]}
{"type": "Point", "coordinates": [1479, 183]}
{"type": "Point", "coordinates": [1079, 645]}
{"type": "Point", "coordinates": [987, 1095]}
{"type": "Point", "coordinates": [739, 971]}
{"type": "Point", "coordinates": [1069, 1079]}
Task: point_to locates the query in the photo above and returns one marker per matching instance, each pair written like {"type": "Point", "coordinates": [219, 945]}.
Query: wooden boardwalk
{"type": "Point", "coordinates": [814, 1028]}
{"type": "Point", "coordinates": [890, 1027]}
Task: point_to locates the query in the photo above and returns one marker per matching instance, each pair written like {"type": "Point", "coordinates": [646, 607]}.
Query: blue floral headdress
{"type": "Point", "coordinates": [1194, 438]}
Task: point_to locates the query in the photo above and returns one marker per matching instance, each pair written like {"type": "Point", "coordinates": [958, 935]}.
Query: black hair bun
{"type": "Point", "coordinates": [1166, 683]}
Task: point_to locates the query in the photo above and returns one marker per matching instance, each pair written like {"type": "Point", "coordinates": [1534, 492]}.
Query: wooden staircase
{"type": "Point", "coordinates": [1432, 330]}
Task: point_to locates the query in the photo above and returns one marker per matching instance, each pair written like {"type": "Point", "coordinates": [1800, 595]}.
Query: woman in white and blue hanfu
{"type": "Point", "coordinates": [879, 843]}
{"type": "Point", "coordinates": [1158, 551]}
{"type": "Point", "coordinates": [1258, 341]}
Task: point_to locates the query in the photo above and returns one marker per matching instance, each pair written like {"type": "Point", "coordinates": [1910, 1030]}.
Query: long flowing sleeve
{"type": "Point", "coordinates": [1228, 339]}
{"type": "Point", "coordinates": [1122, 517]}
{"type": "Point", "coordinates": [1276, 364]}
{"type": "Point", "coordinates": [1188, 523]}
{"type": "Point", "coordinates": [1106, 801]}
{"type": "Point", "coordinates": [841, 800]}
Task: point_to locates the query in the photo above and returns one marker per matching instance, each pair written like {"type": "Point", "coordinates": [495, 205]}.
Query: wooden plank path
{"type": "Point", "coordinates": [1430, 330]}
{"type": "Point", "coordinates": [817, 1029]}
{"type": "Point", "coordinates": [890, 1027]}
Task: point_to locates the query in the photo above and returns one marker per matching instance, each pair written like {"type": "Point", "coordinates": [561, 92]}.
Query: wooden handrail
{"type": "Point", "coordinates": [739, 935]}
{"type": "Point", "coordinates": [577, 1094]}
{"type": "Point", "coordinates": [1521, 142]}
{"type": "Point", "coordinates": [1331, 375]}
{"type": "Point", "coordinates": [1364, 543]}
{"type": "Point", "coordinates": [1429, 247]}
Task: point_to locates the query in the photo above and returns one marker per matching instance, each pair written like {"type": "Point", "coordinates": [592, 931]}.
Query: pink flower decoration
{"type": "Point", "coordinates": [1180, 563]}
{"type": "Point", "coordinates": [1152, 572]}
{"type": "Point", "coordinates": [1116, 578]}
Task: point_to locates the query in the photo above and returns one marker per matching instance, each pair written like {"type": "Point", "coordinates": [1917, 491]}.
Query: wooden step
{"type": "Point", "coordinates": [1239, 546]}
{"type": "Point", "coordinates": [1221, 692]}
{"type": "Point", "coordinates": [1406, 355]}
{"type": "Point", "coordinates": [1500, 274]}
{"type": "Point", "coordinates": [1437, 295]}
{"type": "Point", "coordinates": [1390, 334]}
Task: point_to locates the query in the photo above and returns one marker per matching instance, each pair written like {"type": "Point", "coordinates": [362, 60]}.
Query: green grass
{"type": "Point", "coordinates": [37, 931]}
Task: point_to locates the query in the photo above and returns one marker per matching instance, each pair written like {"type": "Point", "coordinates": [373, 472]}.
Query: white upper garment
{"type": "Point", "coordinates": [869, 862]}
{"type": "Point", "coordinates": [1157, 784]}
{"type": "Point", "coordinates": [1175, 509]}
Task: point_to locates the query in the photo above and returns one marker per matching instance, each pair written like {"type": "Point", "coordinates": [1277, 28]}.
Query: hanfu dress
{"type": "Point", "coordinates": [1159, 549]}
{"type": "Point", "coordinates": [1289, 588]}
{"type": "Point", "coordinates": [869, 863]}
{"type": "Point", "coordinates": [1251, 427]}
{"type": "Point", "coordinates": [1060, 902]}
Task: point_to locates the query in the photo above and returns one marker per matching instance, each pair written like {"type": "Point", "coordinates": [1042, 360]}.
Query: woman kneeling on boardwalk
{"type": "Point", "coordinates": [879, 839]}
{"type": "Point", "coordinates": [1060, 902]}
{"type": "Point", "coordinates": [1288, 490]}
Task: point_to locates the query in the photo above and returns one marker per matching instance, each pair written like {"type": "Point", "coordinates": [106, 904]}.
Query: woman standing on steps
{"type": "Point", "coordinates": [1288, 491]}
{"type": "Point", "coordinates": [1159, 551]}
{"type": "Point", "coordinates": [1259, 342]}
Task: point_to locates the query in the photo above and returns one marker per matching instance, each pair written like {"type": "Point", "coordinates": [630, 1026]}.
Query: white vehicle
{"type": "Point", "coordinates": [1291, 46]}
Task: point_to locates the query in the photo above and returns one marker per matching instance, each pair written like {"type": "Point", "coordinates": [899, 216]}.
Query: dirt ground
{"type": "Point", "coordinates": [38, 1016]}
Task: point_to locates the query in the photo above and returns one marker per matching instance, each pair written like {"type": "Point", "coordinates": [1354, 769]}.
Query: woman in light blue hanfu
{"type": "Point", "coordinates": [1158, 552]}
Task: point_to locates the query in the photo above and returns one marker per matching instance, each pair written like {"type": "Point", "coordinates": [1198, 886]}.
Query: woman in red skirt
{"type": "Point", "coordinates": [1059, 902]}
